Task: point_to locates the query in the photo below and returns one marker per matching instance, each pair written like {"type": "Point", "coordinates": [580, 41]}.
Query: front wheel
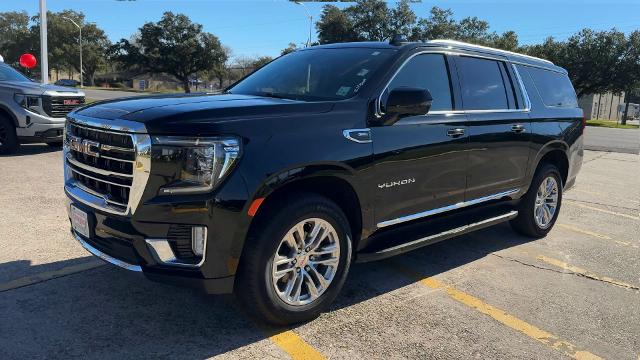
{"type": "Point", "coordinates": [8, 139]}
{"type": "Point", "coordinates": [296, 262]}
{"type": "Point", "coordinates": [540, 206]}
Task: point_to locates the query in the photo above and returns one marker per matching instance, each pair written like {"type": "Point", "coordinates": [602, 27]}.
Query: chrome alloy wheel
{"type": "Point", "coordinates": [546, 202]}
{"type": "Point", "coordinates": [306, 262]}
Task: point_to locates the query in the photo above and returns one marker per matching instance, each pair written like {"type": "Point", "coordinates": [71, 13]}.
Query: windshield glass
{"type": "Point", "coordinates": [320, 74]}
{"type": "Point", "coordinates": [7, 73]}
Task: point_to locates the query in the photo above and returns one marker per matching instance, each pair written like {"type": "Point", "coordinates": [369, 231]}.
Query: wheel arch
{"type": "Point", "coordinates": [333, 181]}
{"type": "Point", "coordinates": [4, 111]}
{"type": "Point", "coordinates": [554, 153]}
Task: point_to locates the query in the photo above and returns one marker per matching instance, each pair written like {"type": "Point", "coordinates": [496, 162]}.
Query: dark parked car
{"type": "Point", "coordinates": [326, 156]}
{"type": "Point", "coordinates": [67, 82]}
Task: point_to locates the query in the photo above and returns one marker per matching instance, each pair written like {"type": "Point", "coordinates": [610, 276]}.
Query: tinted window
{"type": "Point", "coordinates": [316, 74]}
{"type": "Point", "coordinates": [482, 84]}
{"type": "Point", "coordinates": [554, 88]}
{"type": "Point", "coordinates": [427, 72]}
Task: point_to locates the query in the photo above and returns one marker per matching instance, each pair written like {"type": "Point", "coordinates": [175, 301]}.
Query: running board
{"type": "Point", "coordinates": [432, 239]}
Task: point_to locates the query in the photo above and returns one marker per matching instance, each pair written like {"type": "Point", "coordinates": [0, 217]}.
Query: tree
{"type": "Point", "coordinates": [439, 25]}
{"type": "Point", "coordinates": [370, 19]}
{"type": "Point", "coordinates": [289, 49]}
{"type": "Point", "coordinates": [175, 46]}
{"type": "Point", "coordinates": [14, 35]}
{"type": "Point", "coordinates": [334, 26]}
{"type": "Point", "coordinates": [628, 71]}
{"type": "Point", "coordinates": [403, 19]}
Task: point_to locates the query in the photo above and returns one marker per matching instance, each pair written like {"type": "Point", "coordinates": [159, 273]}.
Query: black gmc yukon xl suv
{"type": "Point", "coordinates": [326, 156]}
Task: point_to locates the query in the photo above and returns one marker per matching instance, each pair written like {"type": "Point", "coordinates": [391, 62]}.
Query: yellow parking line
{"type": "Point", "coordinates": [626, 243]}
{"type": "Point", "coordinates": [49, 275]}
{"type": "Point", "coordinates": [582, 231]}
{"type": "Point", "coordinates": [501, 316]}
{"type": "Point", "coordinates": [602, 210]}
{"type": "Point", "coordinates": [563, 265]}
{"type": "Point", "coordinates": [293, 345]}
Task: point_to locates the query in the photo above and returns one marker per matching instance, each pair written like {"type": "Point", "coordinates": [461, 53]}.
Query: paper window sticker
{"type": "Point", "coordinates": [344, 90]}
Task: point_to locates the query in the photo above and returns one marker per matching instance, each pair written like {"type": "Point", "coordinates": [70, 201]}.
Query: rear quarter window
{"type": "Point", "coordinates": [554, 88]}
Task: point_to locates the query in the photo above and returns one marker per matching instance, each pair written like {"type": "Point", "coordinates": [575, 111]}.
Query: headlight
{"type": "Point", "coordinates": [203, 162]}
{"type": "Point", "coordinates": [30, 102]}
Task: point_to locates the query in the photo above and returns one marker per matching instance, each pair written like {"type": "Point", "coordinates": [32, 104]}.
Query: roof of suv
{"type": "Point", "coordinates": [452, 44]}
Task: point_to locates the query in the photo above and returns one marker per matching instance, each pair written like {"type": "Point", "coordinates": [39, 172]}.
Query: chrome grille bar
{"type": "Point", "coordinates": [106, 166]}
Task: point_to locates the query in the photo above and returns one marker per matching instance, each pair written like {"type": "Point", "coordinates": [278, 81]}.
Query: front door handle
{"type": "Point", "coordinates": [456, 132]}
{"type": "Point", "coordinates": [518, 128]}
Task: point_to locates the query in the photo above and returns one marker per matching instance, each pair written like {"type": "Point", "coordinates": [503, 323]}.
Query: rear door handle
{"type": "Point", "coordinates": [518, 128]}
{"type": "Point", "coordinates": [456, 132]}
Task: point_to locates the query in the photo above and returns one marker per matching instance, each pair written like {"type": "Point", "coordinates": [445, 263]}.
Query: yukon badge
{"type": "Point", "coordinates": [396, 183]}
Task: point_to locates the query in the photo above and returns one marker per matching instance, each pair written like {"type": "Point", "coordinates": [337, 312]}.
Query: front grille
{"type": "Point", "coordinates": [55, 106]}
{"type": "Point", "coordinates": [106, 169]}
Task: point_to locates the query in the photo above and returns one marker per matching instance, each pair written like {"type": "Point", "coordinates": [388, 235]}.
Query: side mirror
{"type": "Point", "coordinates": [408, 101]}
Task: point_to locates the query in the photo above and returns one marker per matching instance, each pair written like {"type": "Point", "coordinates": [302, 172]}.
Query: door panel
{"type": "Point", "coordinates": [418, 165]}
{"type": "Point", "coordinates": [499, 126]}
{"type": "Point", "coordinates": [498, 152]}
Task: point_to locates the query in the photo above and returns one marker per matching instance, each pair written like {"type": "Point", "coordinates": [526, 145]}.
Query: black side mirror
{"type": "Point", "coordinates": [408, 101]}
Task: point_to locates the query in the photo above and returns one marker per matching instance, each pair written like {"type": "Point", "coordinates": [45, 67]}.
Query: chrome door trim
{"type": "Point", "coordinates": [459, 205]}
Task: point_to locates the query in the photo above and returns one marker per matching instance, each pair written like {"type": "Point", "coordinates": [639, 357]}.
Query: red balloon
{"type": "Point", "coordinates": [28, 61]}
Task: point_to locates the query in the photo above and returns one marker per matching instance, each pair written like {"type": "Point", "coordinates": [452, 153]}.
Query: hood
{"type": "Point", "coordinates": [171, 112]}
{"type": "Point", "coordinates": [35, 88]}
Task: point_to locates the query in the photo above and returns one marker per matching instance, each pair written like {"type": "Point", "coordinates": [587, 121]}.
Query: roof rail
{"type": "Point", "coordinates": [480, 47]}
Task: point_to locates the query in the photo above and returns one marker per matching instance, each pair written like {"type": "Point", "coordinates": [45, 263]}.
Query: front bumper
{"type": "Point", "coordinates": [36, 127]}
{"type": "Point", "coordinates": [122, 242]}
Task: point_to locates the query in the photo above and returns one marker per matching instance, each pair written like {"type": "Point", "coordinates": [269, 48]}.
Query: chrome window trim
{"type": "Point", "coordinates": [440, 210]}
{"type": "Point", "coordinates": [105, 257]}
{"type": "Point", "coordinates": [523, 90]}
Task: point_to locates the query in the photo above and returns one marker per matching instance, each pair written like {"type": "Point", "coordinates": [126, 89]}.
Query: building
{"type": "Point", "coordinates": [602, 106]}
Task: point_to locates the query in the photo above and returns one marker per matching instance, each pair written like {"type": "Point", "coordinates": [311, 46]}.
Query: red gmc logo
{"type": "Point", "coordinates": [71, 102]}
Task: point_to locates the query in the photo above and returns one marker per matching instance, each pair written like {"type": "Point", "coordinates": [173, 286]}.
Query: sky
{"type": "Point", "coordinates": [264, 27]}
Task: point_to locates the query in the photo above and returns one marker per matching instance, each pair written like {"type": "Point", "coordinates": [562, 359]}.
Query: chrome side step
{"type": "Point", "coordinates": [432, 239]}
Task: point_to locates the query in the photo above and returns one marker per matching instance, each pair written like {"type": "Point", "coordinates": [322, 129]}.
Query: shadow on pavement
{"type": "Point", "coordinates": [34, 149]}
{"type": "Point", "coordinates": [111, 313]}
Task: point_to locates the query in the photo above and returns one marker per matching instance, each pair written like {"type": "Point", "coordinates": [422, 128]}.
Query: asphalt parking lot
{"type": "Point", "coordinates": [490, 294]}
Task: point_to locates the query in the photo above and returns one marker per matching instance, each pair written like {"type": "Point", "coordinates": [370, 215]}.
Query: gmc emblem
{"type": "Point", "coordinates": [84, 146]}
{"type": "Point", "coordinates": [71, 102]}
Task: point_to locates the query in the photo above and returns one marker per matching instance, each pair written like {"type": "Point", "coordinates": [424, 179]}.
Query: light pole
{"type": "Point", "coordinates": [81, 72]}
{"type": "Point", "coordinates": [310, 20]}
{"type": "Point", "coordinates": [44, 61]}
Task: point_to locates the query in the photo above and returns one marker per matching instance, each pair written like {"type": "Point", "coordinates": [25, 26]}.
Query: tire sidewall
{"type": "Point", "coordinates": [270, 240]}
{"type": "Point", "coordinates": [546, 171]}
{"type": "Point", "coordinates": [10, 144]}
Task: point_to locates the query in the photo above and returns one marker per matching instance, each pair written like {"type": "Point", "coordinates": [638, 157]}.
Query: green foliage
{"type": "Point", "coordinates": [372, 20]}
{"type": "Point", "coordinates": [289, 49]}
{"type": "Point", "coordinates": [20, 34]}
{"type": "Point", "coordinates": [175, 46]}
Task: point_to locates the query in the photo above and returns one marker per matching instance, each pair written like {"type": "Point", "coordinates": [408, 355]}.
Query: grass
{"type": "Point", "coordinates": [610, 124]}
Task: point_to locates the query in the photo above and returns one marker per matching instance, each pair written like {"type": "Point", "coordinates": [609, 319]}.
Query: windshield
{"type": "Point", "coordinates": [316, 74]}
{"type": "Point", "coordinates": [7, 73]}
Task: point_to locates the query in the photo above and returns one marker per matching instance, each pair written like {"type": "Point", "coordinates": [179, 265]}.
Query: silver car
{"type": "Point", "coordinates": [32, 112]}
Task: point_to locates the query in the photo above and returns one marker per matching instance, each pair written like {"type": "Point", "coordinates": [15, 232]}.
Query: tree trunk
{"type": "Point", "coordinates": [185, 86]}
{"type": "Point", "coordinates": [627, 96]}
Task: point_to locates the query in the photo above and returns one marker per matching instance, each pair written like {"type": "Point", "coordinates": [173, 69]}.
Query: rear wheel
{"type": "Point", "coordinates": [8, 139]}
{"type": "Point", "coordinates": [296, 261]}
{"type": "Point", "coordinates": [539, 208]}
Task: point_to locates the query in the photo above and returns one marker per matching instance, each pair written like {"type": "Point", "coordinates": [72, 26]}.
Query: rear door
{"type": "Point", "coordinates": [499, 126]}
{"type": "Point", "coordinates": [420, 161]}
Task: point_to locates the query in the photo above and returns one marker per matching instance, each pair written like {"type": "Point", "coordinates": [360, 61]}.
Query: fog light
{"type": "Point", "coordinates": [198, 239]}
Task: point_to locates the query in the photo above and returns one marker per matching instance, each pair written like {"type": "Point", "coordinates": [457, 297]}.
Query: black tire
{"type": "Point", "coordinates": [55, 144]}
{"type": "Point", "coordinates": [525, 223]}
{"type": "Point", "coordinates": [8, 139]}
{"type": "Point", "coordinates": [254, 287]}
